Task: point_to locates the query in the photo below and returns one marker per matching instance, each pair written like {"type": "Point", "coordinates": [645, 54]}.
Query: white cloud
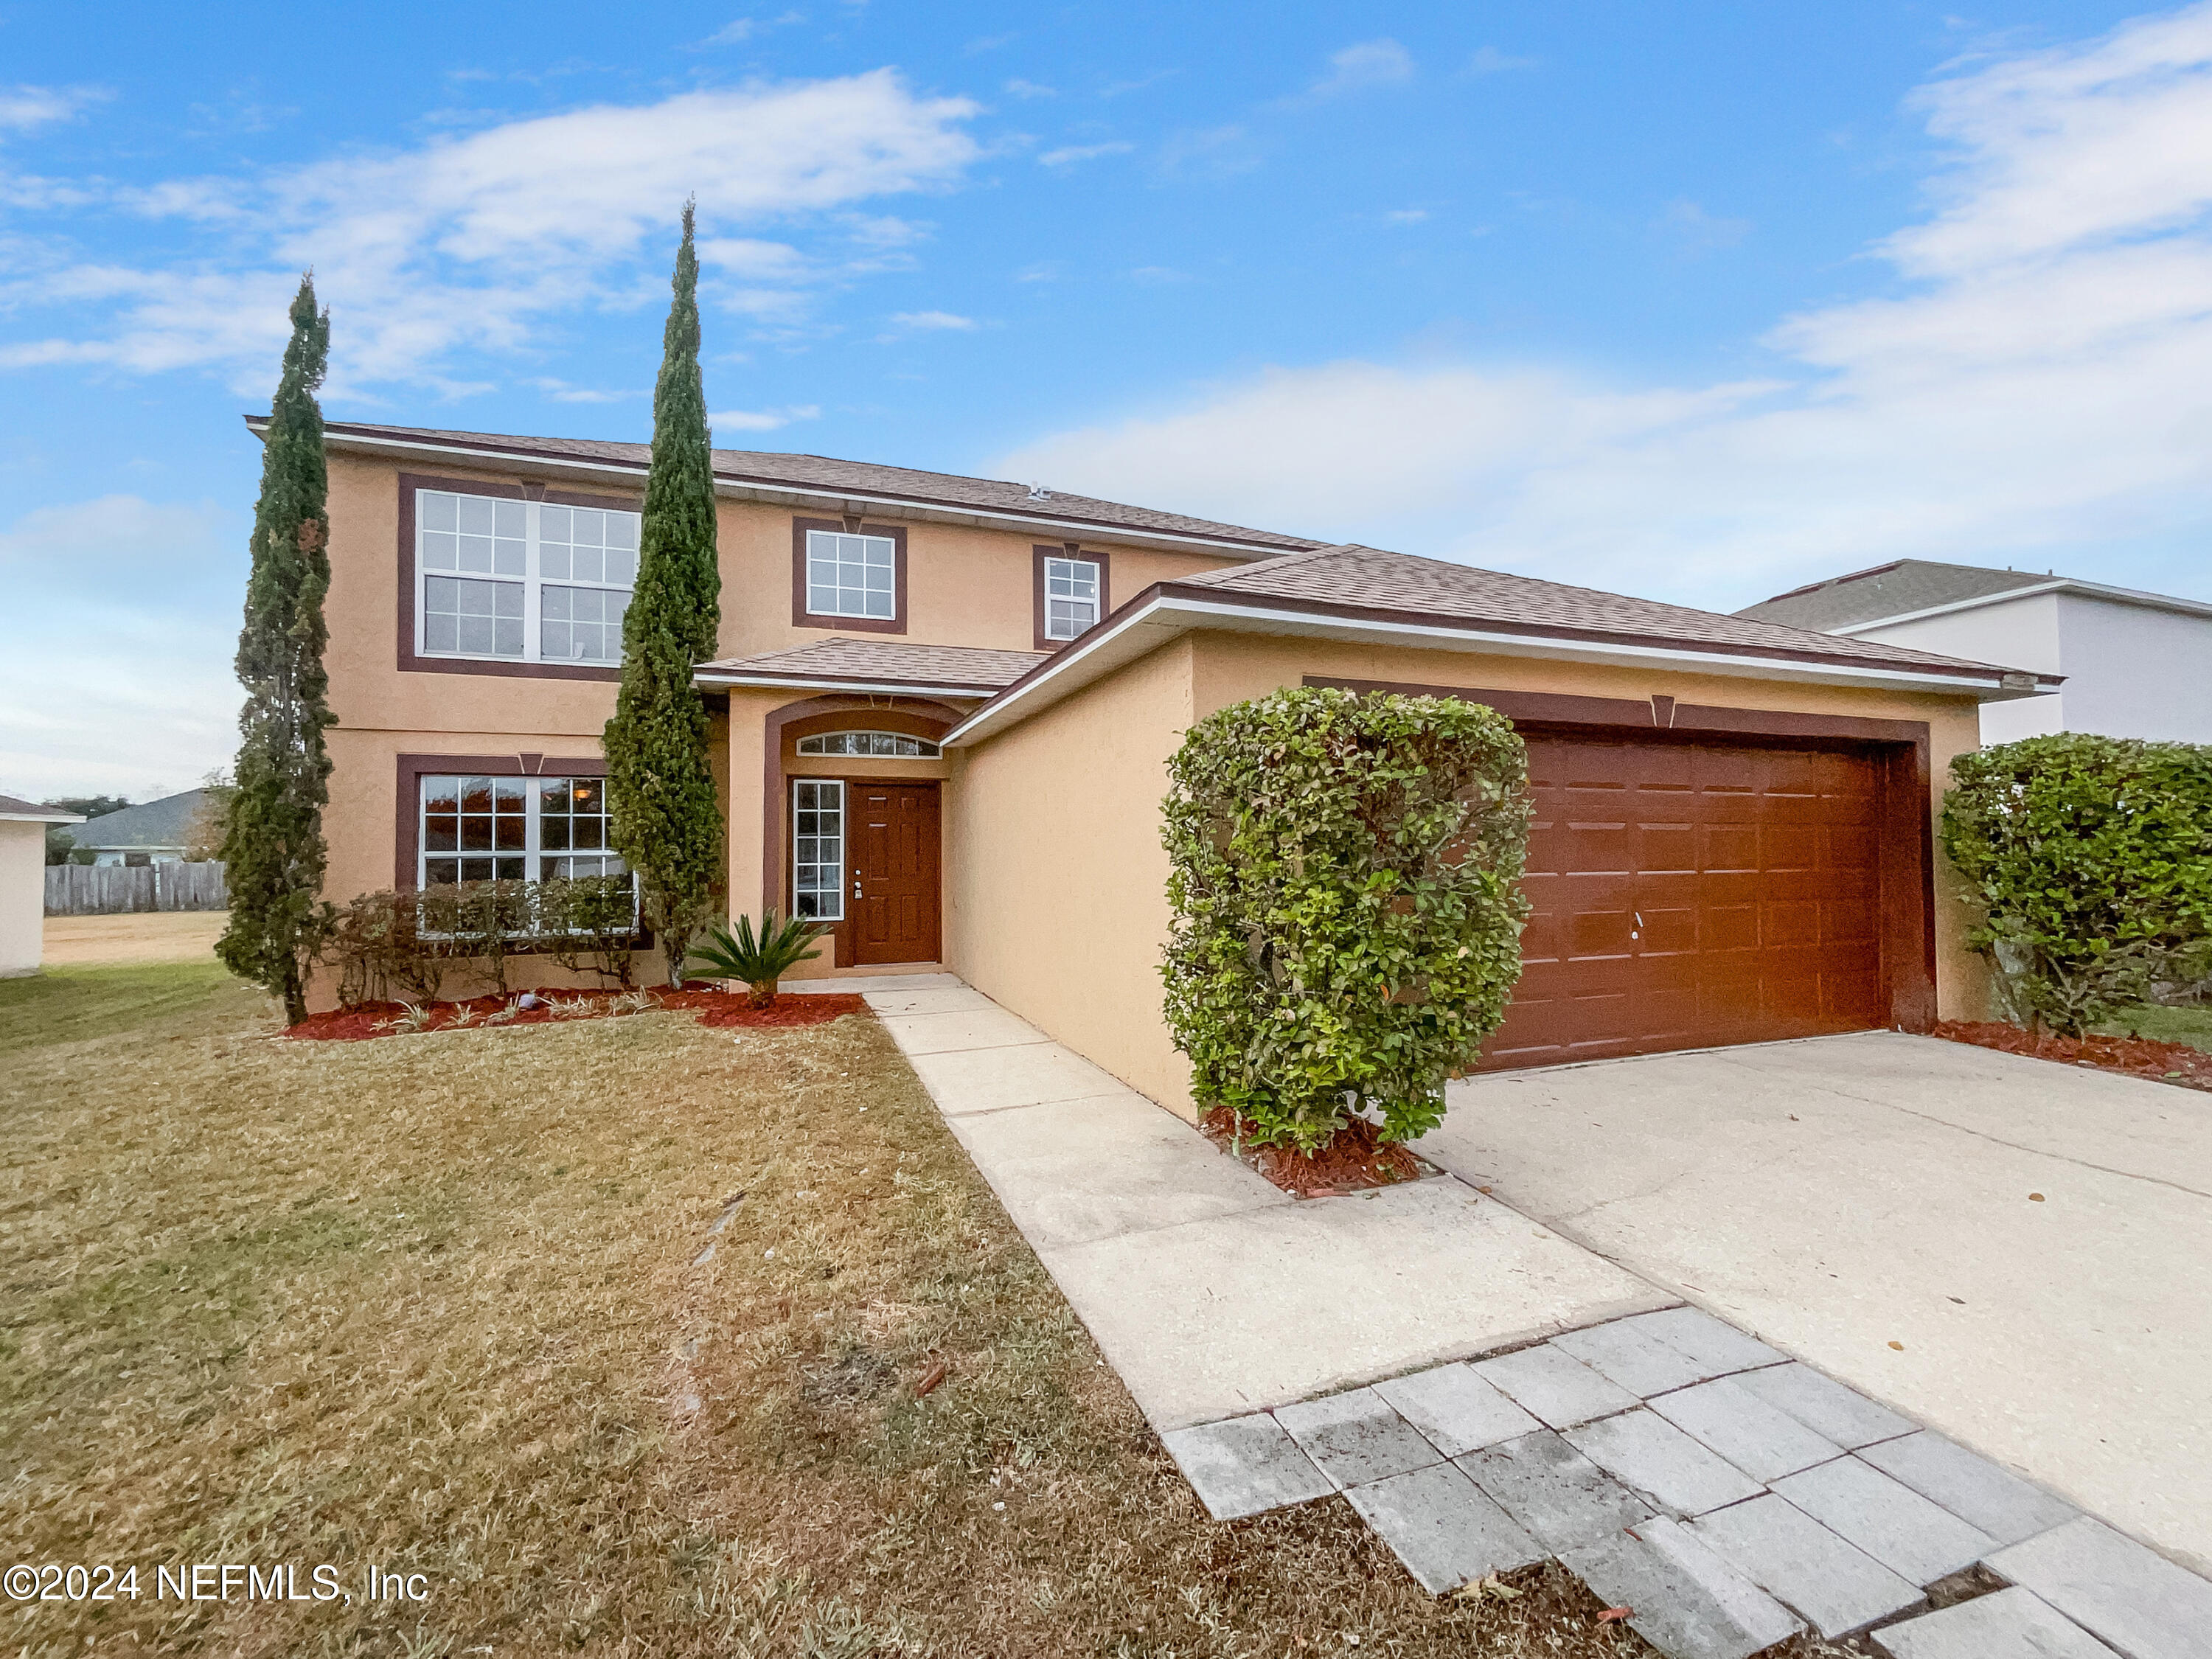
{"type": "Point", "coordinates": [2038, 391]}
{"type": "Point", "coordinates": [1070, 153]}
{"type": "Point", "coordinates": [1361, 68]}
{"type": "Point", "coordinates": [24, 108]}
{"type": "Point", "coordinates": [1405, 216]}
{"type": "Point", "coordinates": [1488, 60]}
{"type": "Point", "coordinates": [465, 244]}
{"type": "Point", "coordinates": [762, 420]}
{"type": "Point", "coordinates": [1020, 88]}
{"type": "Point", "coordinates": [1210, 152]}
{"type": "Point", "coordinates": [934, 319]}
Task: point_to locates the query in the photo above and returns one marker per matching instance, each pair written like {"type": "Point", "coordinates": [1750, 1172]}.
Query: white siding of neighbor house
{"type": "Point", "coordinates": [2013, 633]}
{"type": "Point", "coordinates": [22, 896]}
{"type": "Point", "coordinates": [2135, 672]}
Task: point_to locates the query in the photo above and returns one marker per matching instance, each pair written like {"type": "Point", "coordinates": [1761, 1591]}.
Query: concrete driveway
{"type": "Point", "coordinates": [1870, 1203]}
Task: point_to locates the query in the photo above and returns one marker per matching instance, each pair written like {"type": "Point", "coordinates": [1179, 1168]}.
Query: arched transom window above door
{"type": "Point", "coordinates": [890, 745]}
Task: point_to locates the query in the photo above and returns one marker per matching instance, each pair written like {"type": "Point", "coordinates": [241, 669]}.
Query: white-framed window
{"type": "Point", "coordinates": [1071, 598]}
{"type": "Point", "coordinates": [894, 744]}
{"type": "Point", "coordinates": [851, 575]}
{"type": "Point", "coordinates": [817, 848]}
{"type": "Point", "coordinates": [494, 828]}
{"type": "Point", "coordinates": [522, 581]}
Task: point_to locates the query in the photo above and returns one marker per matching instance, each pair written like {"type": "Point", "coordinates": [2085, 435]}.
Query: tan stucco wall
{"type": "Point", "coordinates": [965, 586]}
{"type": "Point", "coordinates": [1055, 878]}
{"type": "Point", "coordinates": [22, 896]}
{"type": "Point", "coordinates": [1060, 816]}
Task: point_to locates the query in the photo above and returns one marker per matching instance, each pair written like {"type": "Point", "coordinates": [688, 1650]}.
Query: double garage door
{"type": "Point", "coordinates": [1691, 894]}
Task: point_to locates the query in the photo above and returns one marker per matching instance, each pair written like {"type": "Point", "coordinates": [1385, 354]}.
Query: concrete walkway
{"type": "Point", "coordinates": [1210, 1291]}
{"type": "Point", "coordinates": [2012, 1251]}
{"type": "Point", "coordinates": [1731, 1496]}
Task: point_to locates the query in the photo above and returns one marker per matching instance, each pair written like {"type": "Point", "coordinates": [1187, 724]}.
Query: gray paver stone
{"type": "Point", "coordinates": [1558, 1494]}
{"type": "Point", "coordinates": [1645, 1451]}
{"type": "Point", "coordinates": [1824, 1405]}
{"type": "Point", "coordinates": [1717, 1347]}
{"type": "Point", "coordinates": [1687, 1602]}
{"type": "Point", "coordinates": [1634, 1357]}
{"type": "Point", "coordinates": [1455, 1410]}
{"type": "Point", "coordinates": [1243, 1465]}
{"type": "Point", "coordinates": [2009, 1625]}
{"type": "Point", "coordinates": [1556, 1386]}
{"type": "Point", "coordinates": [1759, 1439]}
{"type": "Point", "coordinates": [2129, 1595]}
{"type": "Point", "coordinates": [1997, 1501]}
{"type": "Point", "coordinates": [1442, 1528]}
{"type": "Point", "coordinates": [1907, 1534]}
{"type": "Point", "coordinates": [1794, 1558]}
{"type": "Point", "coordinates": [1354, 1437]}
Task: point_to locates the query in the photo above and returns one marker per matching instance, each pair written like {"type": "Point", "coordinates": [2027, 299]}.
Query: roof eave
{"type": "Point", "coordinates": [2057, 585]}
{"type": "Point", "coordinates": [740, 488]}
{"type": "Point", "coordinates": [1162, 612]}
{"type": "Point", "coordinates": [708, 677]}
{"type": "Point", "coordinates": [39, 818]}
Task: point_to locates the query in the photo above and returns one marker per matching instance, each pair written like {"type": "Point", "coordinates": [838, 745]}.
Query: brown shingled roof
{"type": "Point", "coordinates": [824, 475]}
{"type": "Point", "coordinates": [839, 661]}
{"type": "Point", "coordinates": [1372, 581]}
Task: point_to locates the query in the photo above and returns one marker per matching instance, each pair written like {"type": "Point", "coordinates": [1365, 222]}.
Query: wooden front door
{"type": "Point", "coordinates": [892, 909]}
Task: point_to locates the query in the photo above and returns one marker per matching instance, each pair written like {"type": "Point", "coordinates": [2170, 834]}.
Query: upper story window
{"type": "Point", "coordinates": [851, 575]}
{"type": "Point", "coordinates": [1071, 598]}
{"type": "Point", "coordinates": [526, 581]}
{"type": "Point", "coordinates": [897, 743]}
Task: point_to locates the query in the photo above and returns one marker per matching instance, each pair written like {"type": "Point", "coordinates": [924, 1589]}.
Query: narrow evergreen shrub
{"type": "Point", "coordinates": [273, 851]}
{"type": "Point", "coordinates": [667, 823]}
{"type": "Point", "coordinates": [1344, 883]}
{"type": "Point", "coordinates": [2089, 859]}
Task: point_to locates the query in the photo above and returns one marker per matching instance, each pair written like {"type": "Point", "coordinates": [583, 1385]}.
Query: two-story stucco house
{"type": "Point", "coordinates": [943, 708]}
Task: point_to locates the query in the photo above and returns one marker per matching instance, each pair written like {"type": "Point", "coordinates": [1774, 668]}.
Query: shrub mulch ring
{"type": "Point", "coordinates": [2161, 1062]}
{"type": "Point", "coordinates": [1355, 1162]}
{"type": "Point", "coordinates": [381, 1019]}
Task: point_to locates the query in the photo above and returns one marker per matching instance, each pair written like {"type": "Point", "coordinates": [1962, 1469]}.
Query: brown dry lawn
{"type": "Point", "coordinates": [446, 1303]}
{"type": "Point", "coordinates": [146, 936]}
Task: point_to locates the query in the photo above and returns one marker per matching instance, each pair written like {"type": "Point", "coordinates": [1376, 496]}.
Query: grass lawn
{"type": "Point", "coordinates": [2192, 1026]}
{"type": "Point", "coordinates": [454, 1304]}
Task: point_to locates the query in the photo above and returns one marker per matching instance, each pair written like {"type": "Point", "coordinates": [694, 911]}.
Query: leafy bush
{"type": "Point", "coordinates": [759, 960]}
{"type": "Point", "coordinates": [2090, 860]}
{"type": "Point", "coordinates": [402, 946]}
{"type": "Point", "coordinates": [1347, 908]}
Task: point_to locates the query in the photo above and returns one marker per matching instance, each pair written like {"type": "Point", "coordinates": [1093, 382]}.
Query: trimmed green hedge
{"type": "Point", "coordinates": [1345, 886]}
{"type": "Point", "coordinates": [2090, 860]}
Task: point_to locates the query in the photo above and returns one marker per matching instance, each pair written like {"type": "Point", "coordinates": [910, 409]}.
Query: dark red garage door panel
{"type": "Point", "coordinates": [1688, 895]}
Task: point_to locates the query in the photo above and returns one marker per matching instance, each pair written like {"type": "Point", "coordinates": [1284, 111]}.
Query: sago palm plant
{"type": "Point", "coordinates": [759, 959]}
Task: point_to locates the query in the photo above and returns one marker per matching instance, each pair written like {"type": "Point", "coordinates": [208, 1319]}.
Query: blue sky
{"type": "Point", "coordinates": [1694, 300]}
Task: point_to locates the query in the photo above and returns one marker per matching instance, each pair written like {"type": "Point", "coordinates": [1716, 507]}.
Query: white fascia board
{"type": "Point", "coordinates": [879, 688]}
{"type": "Point", "coordinates": [1164, 618]}
{"type": "Point", "coordinates": [806, 495]}
{"type": "Point", "coordinates": [2057, 585]}
{"type": "Point", "coordinates": [39, 818]}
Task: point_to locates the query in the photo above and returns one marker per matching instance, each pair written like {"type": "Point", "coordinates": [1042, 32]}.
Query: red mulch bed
{"type": "Point", "coordinates": [715, 1008]}
{"type": "Point", "coordinates": [1355, 1162]}
{"type": "Point", "coordinates": [2162, 1062]}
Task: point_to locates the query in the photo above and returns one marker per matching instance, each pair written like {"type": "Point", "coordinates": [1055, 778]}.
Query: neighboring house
{"type": "Point", "coordinates": [943, 709]}
{"type": "Point", "coordinates": [153, 832]}
{"type": "Point", "coordinates": [2134, 664]}
{"type": "Point", "coordinates": [23, 882]}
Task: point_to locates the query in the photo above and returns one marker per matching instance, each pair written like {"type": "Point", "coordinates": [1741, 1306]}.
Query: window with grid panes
{"type": "Point", "coordinates": [528, 582]}
{"type": "Point", "coordinates": [1071, 598]}
{"type": "Point", "coordinates": [494, 828]}
{"type": "Point", "coordinates": [817, 848]}
{"type": "Point", "coordinates": [851, 575]}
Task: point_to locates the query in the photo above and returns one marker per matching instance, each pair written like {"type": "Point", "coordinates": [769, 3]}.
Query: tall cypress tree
{"type": "Point", "coordinates": [660, 791]}
{"type": "Point", "coordinates": [273, 851]}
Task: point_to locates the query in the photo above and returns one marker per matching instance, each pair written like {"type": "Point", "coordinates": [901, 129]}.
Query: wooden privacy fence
{"type": "Point", "coordinates": [107, 889]}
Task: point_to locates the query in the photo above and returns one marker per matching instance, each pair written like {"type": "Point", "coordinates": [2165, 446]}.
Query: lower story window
{"type": "Point", "coordinates": [491, 828]}
{"type": "Point", "coordinates": [817, 849]}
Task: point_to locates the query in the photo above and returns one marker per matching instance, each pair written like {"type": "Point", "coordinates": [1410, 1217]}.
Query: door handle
{"type": "Point", "coordinates": [1638, 914]}
{"type": "Point", "coordinates": [856, 887]}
